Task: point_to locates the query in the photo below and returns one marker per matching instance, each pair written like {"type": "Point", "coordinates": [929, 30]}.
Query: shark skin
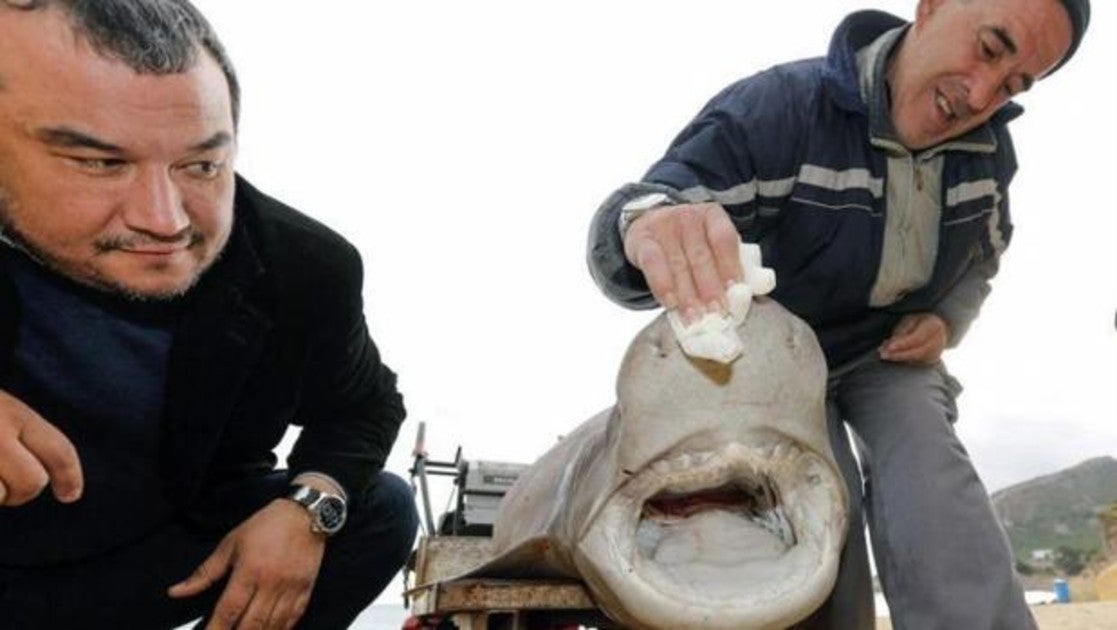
{"type": "Point", "coordinates": [707, 497]}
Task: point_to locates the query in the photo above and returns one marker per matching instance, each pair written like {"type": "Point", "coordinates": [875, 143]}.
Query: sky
{"type": "Point", "coordinates": [464, 146]}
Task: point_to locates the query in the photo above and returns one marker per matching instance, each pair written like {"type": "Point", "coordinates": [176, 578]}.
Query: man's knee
{"type": "Point", "coordinates": [389, 499]}
{"type": "Point", "coordinates": [901, 410]}
{"type": "Point", "coordinates": [382, 523]}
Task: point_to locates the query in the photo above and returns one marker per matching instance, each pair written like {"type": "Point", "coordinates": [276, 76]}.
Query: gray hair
{"type": "Point", "coordinates": [150, 36]}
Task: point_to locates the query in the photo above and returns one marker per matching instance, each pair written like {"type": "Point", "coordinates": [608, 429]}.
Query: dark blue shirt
{"type": "Point", "coordinates": [94, 365]}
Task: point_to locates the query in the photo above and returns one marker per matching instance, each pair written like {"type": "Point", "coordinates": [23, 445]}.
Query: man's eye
{"type": "Point", "coordinates": [204, 169]}
{"type": "Point", "coordinates": [98, 165]}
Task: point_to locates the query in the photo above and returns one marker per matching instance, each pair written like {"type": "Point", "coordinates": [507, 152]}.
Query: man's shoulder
{"type": "Point", "coordinates": [273, 219]}
{"type": "Point", "coordinates": [288, 239]}
{"type": "Point", "coordinates": [306, 264]}
{"type": "Point", "coordinates": [788, 80]}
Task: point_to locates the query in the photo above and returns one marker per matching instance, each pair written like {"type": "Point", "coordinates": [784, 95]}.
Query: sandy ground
{"type": "Point", "coordinates": [1084, 616]}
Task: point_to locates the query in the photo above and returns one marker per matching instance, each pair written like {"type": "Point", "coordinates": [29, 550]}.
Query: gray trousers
{"type": "Point", "coordinates": [942, 557]}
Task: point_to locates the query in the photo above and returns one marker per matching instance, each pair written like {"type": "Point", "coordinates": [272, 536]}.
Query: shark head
{"type": "Point", "coordinates": [707, 497]}
{"type": "Point", "coordinates": [727, 509]}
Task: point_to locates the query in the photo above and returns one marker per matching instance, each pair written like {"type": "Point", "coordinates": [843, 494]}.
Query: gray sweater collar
{"type": "Point", "coordinates": [872, 68]}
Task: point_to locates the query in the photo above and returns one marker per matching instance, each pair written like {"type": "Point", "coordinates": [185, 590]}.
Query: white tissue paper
{"type": "Point", "coordinates": [714, 336]}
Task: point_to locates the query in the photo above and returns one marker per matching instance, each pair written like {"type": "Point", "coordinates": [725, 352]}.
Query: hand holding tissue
{"type": "Point", "coordinates": [714, 335]}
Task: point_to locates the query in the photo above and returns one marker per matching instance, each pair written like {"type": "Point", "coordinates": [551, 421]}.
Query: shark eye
{"type": "Point", "coordinates": [661, 342]}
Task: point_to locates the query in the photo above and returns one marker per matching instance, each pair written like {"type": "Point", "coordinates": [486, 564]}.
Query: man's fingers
{"type": "Point", "coordinates": [922, 343]}
{"type": "Point", "coordinates": [290, 608]}
{"type": "Point", "coordinates": [709, 288]}
{"type": "Point", "coordinates": [58, 456]}
{"type": "Point", "coordinates": [907, 349]}
{"type": "Point", "coordinates": [230, 608]}
{"type": "Point", "coordinates": [212, 569]}
{"type": "Point", "coordinates": [725, 242]}
{"type": "Point", "coordinates": [688, 254]}
{"type": "Point", "coordinates": [911, 332]}
{"type": "Point", "coordinates": [649, 258]}
{"type": "Point", "coordinates": [260, 610]}
{"type": "Point", "coordinates": [907, 341]}
{"type": "Point", "coordinates": [667, 274]}
{"type": "Point", "coordinates": [915, 355]}
{"type": "Point", "coordinates": [23, 475]}
{"type": "Point", "coordinates": [297, 609]}
{"type": "Point", "coordinates": [34, 453]}
{"type": "Point", "coordinates": [907, 324]}
{"type": "Point", "coordinates": [683, 284]}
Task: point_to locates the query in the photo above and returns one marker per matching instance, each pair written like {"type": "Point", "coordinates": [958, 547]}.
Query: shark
{"type": "Point", "coordinates": [706, 497]}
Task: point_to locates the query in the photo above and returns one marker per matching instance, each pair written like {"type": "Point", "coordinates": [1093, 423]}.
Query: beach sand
{"type": "Point", "coordinates": [1081, 616]}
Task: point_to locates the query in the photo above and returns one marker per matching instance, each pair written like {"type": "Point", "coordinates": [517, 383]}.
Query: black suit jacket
{"type": "Point", "coordinates": [273, 334]}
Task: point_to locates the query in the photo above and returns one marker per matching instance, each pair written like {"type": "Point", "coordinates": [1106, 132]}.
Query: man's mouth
{"type": "Point", "coordinates": [154, 247]}
{"type": "Point", "coordinates": [163, 250]}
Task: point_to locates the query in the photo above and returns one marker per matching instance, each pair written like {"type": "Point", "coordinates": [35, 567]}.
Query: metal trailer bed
{"type": "Point", "coordinates": [439, 602]}
{"type": "Point", "coordinates": [460, 542]}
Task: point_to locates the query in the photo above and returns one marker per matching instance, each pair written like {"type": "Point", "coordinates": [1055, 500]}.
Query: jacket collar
{"type": "Point", "coordinates": [216, 347]}
{"type": "Point", "coordinates": [876, 34]}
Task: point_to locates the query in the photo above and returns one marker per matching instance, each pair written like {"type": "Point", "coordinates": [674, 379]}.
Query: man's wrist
{"type": "Point", "coordinates": [948, 329]}
{"type": "Point", "coordinates": [322, 482]}
{"type": "Point", "coordinates": [327, 511]}
{"type": "Point", "coordinates": [639, 206]}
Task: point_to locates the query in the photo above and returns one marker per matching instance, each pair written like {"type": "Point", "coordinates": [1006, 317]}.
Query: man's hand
{"type": "Point", "coordinates": [689, 255]}
{"type": "Point", "coordinates": [918, 339]}
{"type": "Point", "coordinates": [274, 558]}
{"type": "Point", "coordinates": [33, 454]}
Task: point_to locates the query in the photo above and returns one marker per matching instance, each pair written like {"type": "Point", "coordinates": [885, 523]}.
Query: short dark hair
{"type": "Point", "coordinates": [150, 36]}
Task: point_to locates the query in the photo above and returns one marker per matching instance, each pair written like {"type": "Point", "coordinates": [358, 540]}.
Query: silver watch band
{"type": "Point", "coordinates": [327, 511]}
{"type": "Point", "coordinates": [638, 206]}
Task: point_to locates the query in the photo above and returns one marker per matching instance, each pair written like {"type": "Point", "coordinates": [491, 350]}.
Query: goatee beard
{"type": "Point", "coordinates": [10, 236]}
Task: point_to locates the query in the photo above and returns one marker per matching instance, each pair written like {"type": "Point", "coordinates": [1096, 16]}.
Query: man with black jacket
{"type": "Point", "coordinates": [162, 323]}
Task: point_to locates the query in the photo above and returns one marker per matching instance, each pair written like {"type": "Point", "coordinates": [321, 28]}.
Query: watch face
{"type": "Point", "coordinates": [331, 514]}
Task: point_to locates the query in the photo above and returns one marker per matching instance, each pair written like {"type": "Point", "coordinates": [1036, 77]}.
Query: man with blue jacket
{"type": "Point", "coordinates": [876, 182]}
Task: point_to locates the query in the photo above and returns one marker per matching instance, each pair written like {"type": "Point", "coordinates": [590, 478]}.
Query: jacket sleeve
{"type": "Point", "coordinates": [351, 410]}
{"type": "Point", "coordinates": [961, 305]}
{"type": "Point", "coordinates": [715, 158]}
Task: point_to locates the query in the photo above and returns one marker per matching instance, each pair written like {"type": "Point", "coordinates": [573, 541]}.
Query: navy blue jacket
{"type": "Point", "coordinates": [792, 155]}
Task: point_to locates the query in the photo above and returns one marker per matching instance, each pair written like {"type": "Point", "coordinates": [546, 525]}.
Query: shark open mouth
{"type": "Point", "coordinates": [702, 527]}
{"type": "Point", "coordinates": [754, 500]}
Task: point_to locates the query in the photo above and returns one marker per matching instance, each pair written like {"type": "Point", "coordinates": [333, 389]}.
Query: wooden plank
{"type": "Point", "coordinates": [461, 595]}
{"type": "Point", "coordinates": [443, 557]}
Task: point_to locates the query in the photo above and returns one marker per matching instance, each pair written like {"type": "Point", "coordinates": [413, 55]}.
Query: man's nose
{"type": "Point", "coordinates": [155, 205]}
{"type": "Point", "coordinates": [984, 91]}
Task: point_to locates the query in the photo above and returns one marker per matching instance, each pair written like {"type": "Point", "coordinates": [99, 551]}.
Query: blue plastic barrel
{"type": "Point", "coordinates": [1062, 591]}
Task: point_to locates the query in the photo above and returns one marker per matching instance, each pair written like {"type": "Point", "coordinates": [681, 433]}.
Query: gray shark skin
{"type": "Point", "coordinates": [707, 497]}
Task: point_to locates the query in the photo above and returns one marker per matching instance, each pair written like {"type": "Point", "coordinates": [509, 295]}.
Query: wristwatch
{"type": "Point", "coordinates": [327, 511]}
{"type": "Point", "coordinates": [638, 206]}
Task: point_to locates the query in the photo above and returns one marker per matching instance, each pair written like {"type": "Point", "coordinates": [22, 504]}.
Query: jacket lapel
{"type": "Point", "coordinates": [8, 317]}
{"type": "Point", "coordinates": [217, 343]}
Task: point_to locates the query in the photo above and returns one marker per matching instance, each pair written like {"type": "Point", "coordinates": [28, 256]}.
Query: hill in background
{"type": "Point", "coordinates": [1060, 509]}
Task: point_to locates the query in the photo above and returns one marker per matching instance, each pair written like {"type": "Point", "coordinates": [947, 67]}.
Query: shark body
{"type": "Point", "coordinates": [706, 497]}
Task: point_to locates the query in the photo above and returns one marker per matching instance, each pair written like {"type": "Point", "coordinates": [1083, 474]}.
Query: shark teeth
{"type": "Point", "coordinates": [696, 470]}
